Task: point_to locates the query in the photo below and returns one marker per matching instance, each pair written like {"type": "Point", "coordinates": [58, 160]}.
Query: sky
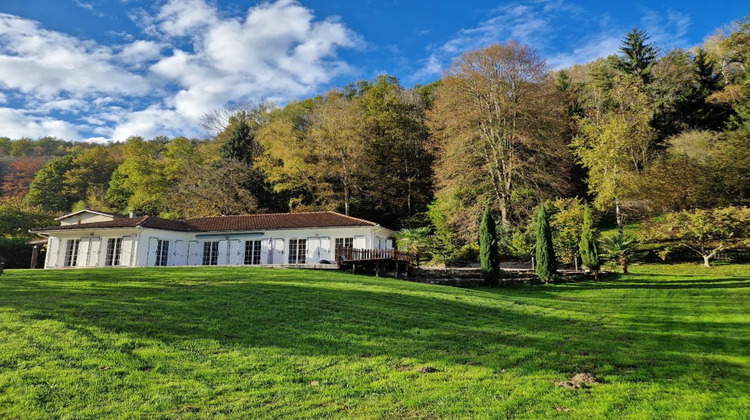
{"type": "Point", "coordinates": [105, 70]}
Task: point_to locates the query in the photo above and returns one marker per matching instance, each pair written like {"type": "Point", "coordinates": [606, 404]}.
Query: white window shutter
{"type": "Point", "coordinates": [84, 247]}
{"type": "Point", "coordinates": [326, 253]}
{"type": "Point", "coordinates": [223, 253]}
{"type": "Point", "coordinates": [194, 253]}
{"type": "Point", "coordinates": [95, 244]}
{"type": "Point", "coordinates": [53, 252]}
{"type": "Point", "coordinates": [152, 245]}
{"type": "Point", "coordinates": [126, 251]}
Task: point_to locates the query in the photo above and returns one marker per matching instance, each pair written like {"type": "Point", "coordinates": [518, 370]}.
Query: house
{"type": "Point", "coordinates": [89, 238]}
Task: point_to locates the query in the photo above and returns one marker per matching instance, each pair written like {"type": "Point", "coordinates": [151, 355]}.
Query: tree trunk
{"type": "Point", "coordinates": [618, 216]}
{"type": "Point", "coordinates": [707, 260]}
{"type": "Point", "coordinates": [624, 265]}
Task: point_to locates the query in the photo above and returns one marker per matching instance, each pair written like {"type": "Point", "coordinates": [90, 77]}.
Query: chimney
{"type": "Point", "coordinates": [132, 215]}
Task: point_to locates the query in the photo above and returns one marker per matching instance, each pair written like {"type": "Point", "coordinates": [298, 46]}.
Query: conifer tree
{"type": "Point", "coordinates": [638, 56]}
{"type": "Point", "coordinates": [488, 251]}
{"type": "Point", "coordinates": [241, 144]}
{"type": "Point", "coordinates": [546, 263]}
{"type": "Point", "coordinates": [587, 246]}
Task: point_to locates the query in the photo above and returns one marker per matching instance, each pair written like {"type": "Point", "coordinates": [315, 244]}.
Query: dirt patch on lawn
{"type": "Point", "coordinates": [579, 381]}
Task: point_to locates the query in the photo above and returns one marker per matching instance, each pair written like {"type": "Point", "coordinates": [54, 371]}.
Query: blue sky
{"type": "Point", "coordinates": [107, 69]}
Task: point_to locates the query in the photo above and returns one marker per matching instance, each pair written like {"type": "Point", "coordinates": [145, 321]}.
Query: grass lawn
{"type": "Point", "coordinates": [668, 341]}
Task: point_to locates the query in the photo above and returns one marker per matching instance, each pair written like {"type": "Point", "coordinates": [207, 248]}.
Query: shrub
{"type": "Point", "coordinates": [15, 252]}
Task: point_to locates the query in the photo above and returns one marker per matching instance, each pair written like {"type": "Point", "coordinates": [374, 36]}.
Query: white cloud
{"type": "Point", "coordinates": [148, 123]}
{"type": "Point", "coordinates": [252, 57]}
{"type": "Point", "coordinates": [37, 61]}
{"type": "Point", "coordinates": [15, 124]}
{"type": "Point", "coordinates": [666, 30]}
{"type": "Point", "coordinates": [190, 59]}
{"type": "Point", "coordinates": [140, 51]}
{"type": "Point", "coordinates": [600, 45]}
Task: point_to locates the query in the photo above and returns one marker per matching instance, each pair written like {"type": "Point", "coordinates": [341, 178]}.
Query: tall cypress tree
{"type": "Point", "coordinates": [546, 262]}
{"type": "Point", "coordinates": [489, 255]}
{"type": "Point", "coordinates": [587, 246]}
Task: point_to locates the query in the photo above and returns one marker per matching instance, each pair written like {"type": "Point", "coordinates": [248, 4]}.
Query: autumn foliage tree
{"type": "Point", "coordinates": [19, 175]}
{"type": "Point", "coordinates": [498, 123]}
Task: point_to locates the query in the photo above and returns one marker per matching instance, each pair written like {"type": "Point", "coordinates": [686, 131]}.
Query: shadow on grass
{"type": "Point", "coordinates": [312, 314]}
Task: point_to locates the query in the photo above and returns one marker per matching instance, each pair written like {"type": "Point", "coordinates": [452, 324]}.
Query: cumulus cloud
{"type": "Point", "coordinates": [250, 57]}
{"type": "Point", "coordinates": [37, 61]}
{"type": "Point", "coordinates": [190, 59]}
{"type": "Point", "coordinates": [15, 123]}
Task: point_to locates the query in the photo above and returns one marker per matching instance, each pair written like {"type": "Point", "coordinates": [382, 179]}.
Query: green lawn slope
{"type": "Point", "coordinates": [668, 341]}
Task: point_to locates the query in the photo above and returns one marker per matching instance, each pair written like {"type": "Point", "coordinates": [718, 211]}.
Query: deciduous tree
{"type": "Point", "coordinates": [498, 122]}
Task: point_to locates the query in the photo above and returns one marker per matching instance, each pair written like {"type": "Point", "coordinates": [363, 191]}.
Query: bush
{"type": "Point", "coordinates": [15, 252]}
{"type": "Point", "coordinates": [467, 254]}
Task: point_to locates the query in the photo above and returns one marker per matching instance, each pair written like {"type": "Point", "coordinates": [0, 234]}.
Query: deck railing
{"type": "Point", "coordinates": [347, 254]}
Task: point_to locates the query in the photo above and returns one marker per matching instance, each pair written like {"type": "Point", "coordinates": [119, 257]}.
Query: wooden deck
{"type": "Point", "coordinates": [375, 261]}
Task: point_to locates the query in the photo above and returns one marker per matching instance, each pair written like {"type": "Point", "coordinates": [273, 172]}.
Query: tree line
{"type": "Point", "coordinates": [638, 135]}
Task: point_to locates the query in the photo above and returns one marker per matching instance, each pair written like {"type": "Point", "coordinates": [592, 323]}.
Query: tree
{"type": "Point", "coordinates": [615, 143]}
{"type": "Point", "coordinates": [92, 169]}
{"type": "Point", "coordinates": [705, 232]}
{"type": "Point", "coordinates": [17, 218]}
{"type": "Point", "coordinates": [143, 174]}
{"type": "Point", "coordinates": [396, 136]}
{"type": "Point", "coordinates": [638, 57]}
{"type": "Point", "coordinates": [217, 189]}
{"type": "Point", "coordinates": [565, 221]}
{"type": "Point", "coordinates": [48, 191]}
{"type": "Point", "coordinates": [546, 262]}
{"type": "Point", "coordinates": [118, 194]}
{"type": "Point", "coordinates": [619, 249]}
{"type": "Point", "coordinates": [315, 150]}
{"type": "Point", "coordinates": [489, 256]}
{"type": "Point", "coordinates": [241, 143]}
{"type": "Point", "coordinates": [587, 246]}
{"type": "Point", "coordinates": [498, 125]}
{"type": "Point", "coordinates": [19, 175]}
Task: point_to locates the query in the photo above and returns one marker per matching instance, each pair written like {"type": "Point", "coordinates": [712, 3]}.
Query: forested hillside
{"type": "Point", "coordinates": [643, 136]}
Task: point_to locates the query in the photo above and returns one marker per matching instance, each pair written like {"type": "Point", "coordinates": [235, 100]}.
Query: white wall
{"type": "Point", "coordinates": [92, 247]}
{"type": "Point", "coordinates": [139, 245]}
{"type": "Point", "coordinates": [85, 218]}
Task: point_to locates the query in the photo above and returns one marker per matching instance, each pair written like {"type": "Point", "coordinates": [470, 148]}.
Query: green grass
{"type": "Point", "coordinates": [669, 341]}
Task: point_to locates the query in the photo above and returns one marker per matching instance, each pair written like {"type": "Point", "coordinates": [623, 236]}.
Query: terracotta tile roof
{"type": "Point", "coordinates": [227, 223]}
{"type": "Point", "coordinates": [143, 221]}
{"type": "Point", "coordinates": [276, 221]}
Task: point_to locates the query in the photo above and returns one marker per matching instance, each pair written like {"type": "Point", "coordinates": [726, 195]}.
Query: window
{"type": "Point", "coordinates": [162, 252]}
{"type": "Point", "coordinates": [210, 253]}
{"type": "Point", "coordinates": [343, 243]}
{"type": "Point", "coordinates": [71, 253]}
{"type": "Point", "coordinates": [297, 251]}
{"type": "Point", "coordinates": [252, 252]}
{"type": "Point", "coordinates": [114, 246]}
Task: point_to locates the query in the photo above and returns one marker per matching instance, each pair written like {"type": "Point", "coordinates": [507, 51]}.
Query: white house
{"type": "Point", "coordinates": [90, 238]}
